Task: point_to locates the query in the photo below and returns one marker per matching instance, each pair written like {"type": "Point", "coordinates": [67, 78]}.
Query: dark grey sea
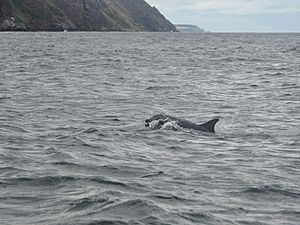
{"type": "Point", "coordinates": [74, 148]}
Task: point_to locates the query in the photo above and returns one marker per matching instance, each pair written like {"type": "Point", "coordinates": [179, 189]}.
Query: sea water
{"type": "Point", "coordinates": [74, 148]}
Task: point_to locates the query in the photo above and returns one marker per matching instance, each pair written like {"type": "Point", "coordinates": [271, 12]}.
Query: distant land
{"type": "Point", "coordinates": [186, 28]}
{"type": "Point", "coordinates": [81, 15]}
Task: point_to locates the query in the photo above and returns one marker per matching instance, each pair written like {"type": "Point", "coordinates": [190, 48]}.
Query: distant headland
{"type": "Point", "coordinates": [186, 28]}
{"type": "Point", "coordinates": [81, 15]}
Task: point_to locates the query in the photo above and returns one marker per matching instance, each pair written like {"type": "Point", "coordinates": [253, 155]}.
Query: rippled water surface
{"type": "Point", "coordinates": [74, 148]}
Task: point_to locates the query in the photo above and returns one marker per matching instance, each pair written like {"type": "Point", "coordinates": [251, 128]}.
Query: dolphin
{"type": "Point", "coordinates": [161, 119]}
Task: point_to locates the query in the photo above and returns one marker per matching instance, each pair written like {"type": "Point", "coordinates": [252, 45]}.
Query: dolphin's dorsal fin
{"type": "Point", "coordinates": [210, 125]}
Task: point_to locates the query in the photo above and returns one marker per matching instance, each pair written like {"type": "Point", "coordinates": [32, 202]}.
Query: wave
{"type": "Point", "coordinates": [152, 174]}
{"type": "Point", "coordinates": [90, 130]}
{"type": "Point", "coordinates": [8, 168]}
{"type": "Point", "coordinates": [169, 198]}
{"type": "Point", "coordinates": [274, 74]}
{"type": "Point", "coordinates": [65, 163]}
{"type": "Point", "coordinates": [83, 203]}
{"type": "Point", "coordinates": [21, 199]}
{"type": "Point", "coordinates": [113, 118]}
{"type": "Point", "coordinates": [101, 222]}
{"type": "Point", "coordinates": [162, 87]}
{"type": "Point", "coordinates": [134, 208]}
{"type": "Point", "coordinates": [12, 128]}
{"type": "Point", "coordinates": [58, 180]}
{"type": "Point", "coordinates": [75, 141]}
{"type": "Point", "coordinates": [295, 49]}
{"type": "Point", "coordinates": [5, 98]}
{"type": "Point", "coordinates": [132, 211]}
{"type": "Point", "coordinates": [236, 59]}
{"type": "Point", "coordinates": [271, 190]}
{"type": "Point", "coordinates": [198, 217]}
{"type": "Point", "coordinates": [107, 182]}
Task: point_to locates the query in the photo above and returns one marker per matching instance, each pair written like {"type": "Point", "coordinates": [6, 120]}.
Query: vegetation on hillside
{"type": "Point", "coordinates": [81, 15]}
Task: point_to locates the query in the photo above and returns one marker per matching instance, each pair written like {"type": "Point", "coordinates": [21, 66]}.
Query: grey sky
{"type": "Point", "coordinates": [234, 15]}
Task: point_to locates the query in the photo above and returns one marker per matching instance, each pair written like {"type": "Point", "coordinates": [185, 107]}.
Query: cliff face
{"type": "Point", "coordinates": [81, 15]}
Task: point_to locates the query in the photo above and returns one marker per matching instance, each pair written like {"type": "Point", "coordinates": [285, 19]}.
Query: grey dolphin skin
{"type": "Point", "coordinates": [162, 119]}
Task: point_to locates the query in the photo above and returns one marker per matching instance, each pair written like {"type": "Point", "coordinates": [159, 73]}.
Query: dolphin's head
{"type": "Point", "coordinates": [147, 122]}
{"type": "Point", "coordinates": [158, 117]}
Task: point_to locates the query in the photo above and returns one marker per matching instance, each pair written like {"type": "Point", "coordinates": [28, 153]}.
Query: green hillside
{"type": "Point", "coordinates": [81, 15]}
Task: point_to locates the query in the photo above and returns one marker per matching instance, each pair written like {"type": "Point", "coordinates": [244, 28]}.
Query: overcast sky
{"type": "Point", "coordinates": [233, 15]}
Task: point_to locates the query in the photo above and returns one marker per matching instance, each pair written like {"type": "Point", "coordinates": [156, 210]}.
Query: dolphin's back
{"type": "Point", "coordinates": [209, 126]}
{"type": "Point", "coordinates": [162, 119]}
